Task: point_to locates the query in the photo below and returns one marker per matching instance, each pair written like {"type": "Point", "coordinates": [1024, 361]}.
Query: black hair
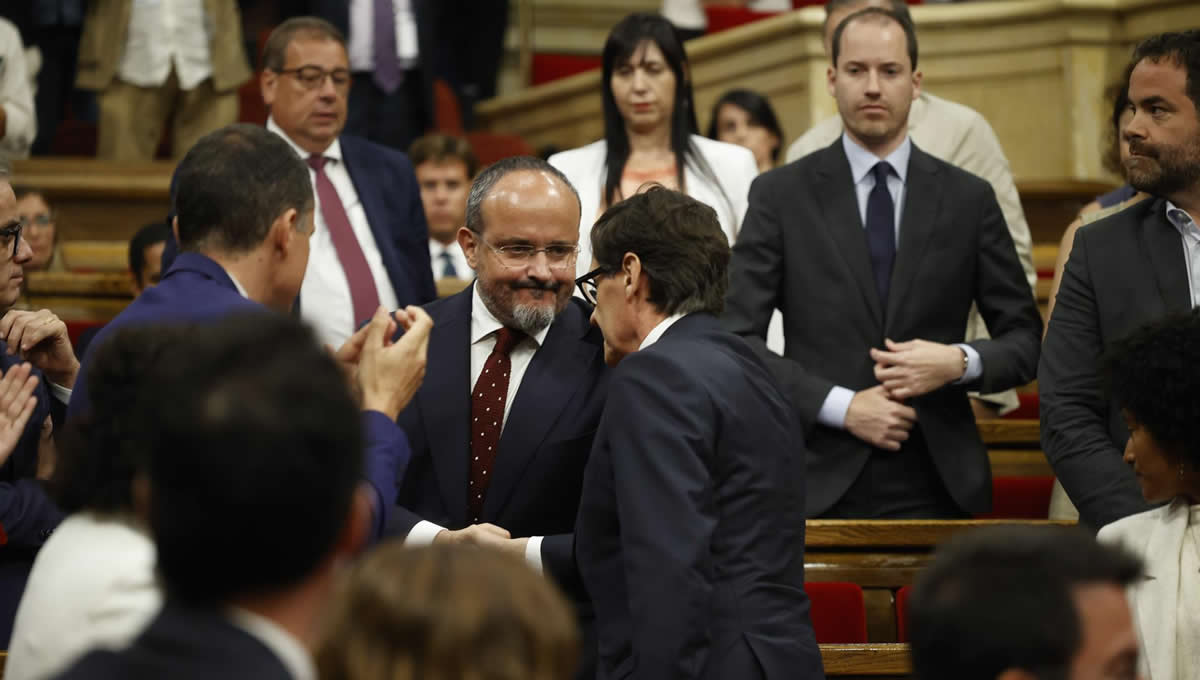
{"type": "Point", "coordinates": [232, 186]}
{"type": "Point", "coordinates": [275, 50]}
{"type": "Point", "coordinates": [256, 455]}
{"type": "Point", "coordinates": [877, 14]}
{"type": "Point", "coordinates": [1003, 597]}
{"type": "Point", "coordinates": [1182, 49]}
{"type": "Point", "coordinates": [757, 108]}
{"type": "Point", "coordinates": [679, 243]}
{"type": "Point", "coordinates": [148, 235]}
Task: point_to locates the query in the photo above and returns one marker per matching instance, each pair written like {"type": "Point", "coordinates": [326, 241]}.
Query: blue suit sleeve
{"type": "Point", "coordinates": [27, 515]}
{"type": "Point", "coordinates": [386, 457]}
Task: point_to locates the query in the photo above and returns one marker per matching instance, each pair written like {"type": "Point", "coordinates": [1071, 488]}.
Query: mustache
{"type": "Point", "coordinates": [532, 284]}
{"type": "Point", "coordinates": [1143, 149]}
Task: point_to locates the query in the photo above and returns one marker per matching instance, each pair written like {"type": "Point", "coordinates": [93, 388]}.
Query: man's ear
{"type": "Point", "coordinates": [831, 80]}
{"type": "Point", "coordinates": [175, 230]}
{"type": "Point", "coordinates": [631, 270]}
{"type": "Point", "coordinates": [284, 230]}
{"type": "Point", "coordinates": [353, 538]}
{"type": "Point", "coordinates": [469, 242]}
{"type": "Point", "coordinates": [267, 82]}
{"type": "Point", "coordinates": [916, 79]}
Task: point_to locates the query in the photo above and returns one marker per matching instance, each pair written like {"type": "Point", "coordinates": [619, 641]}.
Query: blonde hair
{"type": "Point", "coordinates": [447, 613]}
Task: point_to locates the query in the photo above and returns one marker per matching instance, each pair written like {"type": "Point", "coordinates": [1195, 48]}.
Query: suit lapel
{"type": "Point", "coordinates": [446, 403]}
{"type": "Point", "coordinates": [1165, 248]}
{"type": "Point", "coordinates": [922, 200]}
{"type": "Point", "coordinates": [839, 206]}
{"type": "Point", "coordinates": [556, 371]}
{"type": "Point", "coordinates": [370, 194]}
{"type": "Point", "coordinates": [1157, 594]}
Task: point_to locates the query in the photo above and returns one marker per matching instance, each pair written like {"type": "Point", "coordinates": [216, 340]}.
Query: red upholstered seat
{"type": "Point", "coordinates": [721, 18]}
{"type": "Point", "coordinates": [902, 596]}
{"type": "Point", "coordinates": [1020, 498]}
{"type": "Point", "coordinates": [839, 615]}
{"type": "Point", "coordinates": [1027, 407]}
{"type": "Point", "coordinates": [76, 328]}
{"type": "Point", "coordinates": [490, 147]}
{"type": "Point", "coordinates": [548, 66]}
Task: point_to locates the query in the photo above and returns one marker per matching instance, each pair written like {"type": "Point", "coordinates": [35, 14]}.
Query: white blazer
{"type": "Point", "coordinates": [733, 166]}
{"type": "Point", "coordinates": [1156, 536]}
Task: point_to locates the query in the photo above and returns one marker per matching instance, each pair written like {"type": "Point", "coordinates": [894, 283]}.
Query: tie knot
{"type": "Point", "coordinates": [506, 339]}
{"type": "Point", "coordinates": [316, 162]}
{"type": "Point", "coordinates": [881, 171]}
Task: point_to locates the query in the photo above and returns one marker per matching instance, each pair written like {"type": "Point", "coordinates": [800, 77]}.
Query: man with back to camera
{"type": "Point", "coordinates": [690, 536]}
{"type": "Point", "coordinates": [875, 253]}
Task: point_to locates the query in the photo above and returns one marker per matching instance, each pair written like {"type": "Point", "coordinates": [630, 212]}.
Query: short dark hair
{"type": "Point", "coordinates": [1152, 375]}
{"type": "Point", "coordinates": [257, 452]}
{"type": "Point", "coordinates": [440, 148]}
{"type": "Point", "coordinates": [899, 8]}
{"type": "Point", "coordinates": [1002, 597]}
{"type": "Point", "coordinates": [275, 51]}
{"type": "Point", "coordinates": [881, 15]}
{"type": "Point", "coordinates": [148, 235]}
{"type": "Point", "coordinates": [233, 185]}
{"type": "Point", "coordinates": [486, 180]}
{"type": "Point", "coordinates": [100, 454]}
{"type": "Point", "coordinates": [22, 190]}
{"type": "Point", "coordinates": [679, 242]}
{"type": "Point", "coordinates": [1181, 49]}
{"type": "Point", "coordinates": [757, 108]}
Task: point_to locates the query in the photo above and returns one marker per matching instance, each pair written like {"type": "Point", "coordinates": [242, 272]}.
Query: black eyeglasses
{"type": "Point", "coordinates": [311, 77]}
{"type": "Point", "coordinates": [11, 234]}
{"type": "Point", "coordinates": [587, 283]}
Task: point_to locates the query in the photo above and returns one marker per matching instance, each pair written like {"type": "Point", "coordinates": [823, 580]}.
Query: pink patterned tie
{"type": "Point", "coordinates": [363, 295]}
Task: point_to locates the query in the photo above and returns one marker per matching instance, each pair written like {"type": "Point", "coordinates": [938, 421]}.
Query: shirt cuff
{"type": "Point", "coordinates": [974, 364]}
{"type": "Point", "coordinates": [423, 534]}
{"type": "Point", "coordinates": [63, 394]}
{"type": "Point", "coordinates": [833, 411]}
{"type": "Point", "coordinates": [533, 553]}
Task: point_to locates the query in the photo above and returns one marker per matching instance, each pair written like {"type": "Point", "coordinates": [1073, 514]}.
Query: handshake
{"type": "Point", "coordinates": [487, 536]}
{"type": "Point", "coordinates": [878, 415]}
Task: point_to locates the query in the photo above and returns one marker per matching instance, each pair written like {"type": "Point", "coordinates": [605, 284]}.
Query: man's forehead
{"type": "Point", "coordinates": [443, 166]}
{"type": "Point", "coordinates": [316, 51]}
{"type": "Point", "coordinates": [873, 37]}
{"type": "Point", "coordinates": [1161, 77]}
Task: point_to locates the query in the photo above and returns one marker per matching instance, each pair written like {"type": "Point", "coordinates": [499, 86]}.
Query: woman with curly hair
{"type": "Point", "coordinates": [1153, 375]}
{"type": "Point", "coordinates": [447, 613]}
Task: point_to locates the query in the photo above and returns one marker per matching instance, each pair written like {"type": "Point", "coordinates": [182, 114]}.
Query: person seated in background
{"type": "Point", "coordinates": [963, 138]}
{"type": "Point", "coordinates": [92, 583]}
{"type": "Point", "coordinates": [1153, 379]}
{"type": "Point", "coordinates": [1024, 603]}
{"type": "Point", "coordinates": [39, 228]}
{"type": "Point", "coordinates": [745, 118]}
{"type": "Point", "coordinates": [145, 269]}
{"type": "Point", "coordinates": [445, 166]}
{"type": "Point", "coordinates": [446, 613]}
{"type": "Point", "coordinates": [253, 496]}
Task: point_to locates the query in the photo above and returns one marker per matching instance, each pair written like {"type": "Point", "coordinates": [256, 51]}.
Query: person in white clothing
{"type": "Point", "coordinates": [1161, 406]}
{"type": "Point", "coordinates": [18, 122]}
{"type": "Point", "coordinates": [689, 18]}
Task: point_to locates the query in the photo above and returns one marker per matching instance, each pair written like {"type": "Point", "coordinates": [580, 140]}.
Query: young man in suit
{"type": "Point", "coordinates": [245, 213]}
{"type": "Point", "coordinates": [875, 252]}
{"type": "Point", "coordinates": [501, 430]}
{"type": "Point", "coordinates": [370, 246]}
{"type": "Point", "coordinates": [251, 509]}
{"type": "Point", "coordinates": [1124, 271]}
{"type": "Point", "coordinates": [690, 537]}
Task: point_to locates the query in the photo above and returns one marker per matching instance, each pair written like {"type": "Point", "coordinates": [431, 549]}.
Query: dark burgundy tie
{"type": "Point", "coordinates": [487, 417]}
{"type": "Point", "coordinates": [363, 296]}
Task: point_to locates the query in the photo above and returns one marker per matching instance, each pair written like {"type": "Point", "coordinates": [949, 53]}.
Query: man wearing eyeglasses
{"type": "Point", "coordinates": [514, 383]}
{"type": "Point", "coordinates": [371, 244]}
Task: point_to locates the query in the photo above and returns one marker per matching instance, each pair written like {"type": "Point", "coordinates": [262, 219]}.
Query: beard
{"type": "Point", "coordinates": [1163, 170]}
{"type": "Point", "coordinates": [529, 318]}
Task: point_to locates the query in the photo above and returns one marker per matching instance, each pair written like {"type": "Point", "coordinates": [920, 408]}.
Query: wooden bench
{"type": "Point", "coordinates": [872, 660]}
{"type": "Point", "coordinates": [76, 296]}
{"type": "Point", "coordinates": [96, 256]}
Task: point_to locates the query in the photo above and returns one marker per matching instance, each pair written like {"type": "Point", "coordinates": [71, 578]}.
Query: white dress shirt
{"type": "Point", "coordinates": [1189, 231]}
{"type": "Point", "coordinates": [484, 326]}
{"type": "Point", "coordinates": [291, 652]}
{"type": "Point", "coordinates": [325, 301]}
{"type": "Point", "coordinates": [438, 252]}
{"type": "Point", "coordinates": [16, 96]}
{"type": "Point", "coordinates": [837, 402]}
{"type": "Point", "coordinates": [362, 34]}
{"type": "Point", "coordinates": [164, 34]}
{"type": "Point", "coordinates": [658, 330]}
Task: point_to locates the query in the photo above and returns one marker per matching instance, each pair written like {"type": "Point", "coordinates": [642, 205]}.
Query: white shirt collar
{"type": "Point", "coordinates": [334, 151]}
{"type": "Point", "coordinates": [484, 323]}
{"type": "Point", "coordinates": [237, 284]}
{"type": "Point", "coordinates": [1183, 222]}
{"type": "Point", "coordinates": [861, 160]}
{"type": "Point", "coordinates": [290, 652]}
{"type": "Point", "coordinates": [657, 332]}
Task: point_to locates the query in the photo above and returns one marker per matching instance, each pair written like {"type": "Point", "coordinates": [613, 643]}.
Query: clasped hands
{"type": "Point", "coordinates": [487, 536]}
{"type": "Point", "coordinates": [878, 415]}
{"type": "Point", "coordinates": [383, 374]}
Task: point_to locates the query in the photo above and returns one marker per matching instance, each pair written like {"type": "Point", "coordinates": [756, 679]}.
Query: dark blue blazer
{"type": "Point", "coordinates": [391, 198]}
{"type": "Point", "coordinates": [690, 537]}
{"type": "Point", "coordinates": [543, 448]}
{"type": "Point", "coordinates": [27, 515]}
{"type": "Point", "coordinates": [196, 288]}
{"type": "Point", "coordinates": [185, 644]}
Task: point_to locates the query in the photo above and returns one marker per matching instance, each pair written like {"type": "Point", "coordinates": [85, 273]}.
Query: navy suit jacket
{"type": "Point", "coordinates": [387, 186]}
{"type": "Point", "coordinates": [27, 515]}
{"type": "Point", "coordinates": [185, 644]}
{"type": "Point", "coordinates": [543, 447]}
{"type": "Point", "coordinates": [690, 536]}
{"type": "Point", "coordinates": [197, 289]}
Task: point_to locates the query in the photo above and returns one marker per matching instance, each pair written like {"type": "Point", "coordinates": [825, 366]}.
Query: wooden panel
{"type": "Point", "coordinates": [1011, 433]}
{"type": "Point", "coordinates": [100, 284]}
{"type": "Point", "coordinates": [1019, 463]}
{"type": "Point", "coordinates": [872, 569]}
{"type": "Point", "coordinates": [881, 614]}
{"type": "Point", "coordinates": [873, 660]}
{"type": "Point", "coordinates": [896, 533]}
{"type": "Point", "coordinates": [105, 256]}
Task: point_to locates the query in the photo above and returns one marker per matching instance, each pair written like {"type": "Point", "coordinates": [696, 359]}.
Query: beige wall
{"type": "Point", "coordinates": [1036, 69]}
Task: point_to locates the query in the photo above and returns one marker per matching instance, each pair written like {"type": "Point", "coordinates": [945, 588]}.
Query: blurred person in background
{"type": "Point", "coordinates": [745, 118]}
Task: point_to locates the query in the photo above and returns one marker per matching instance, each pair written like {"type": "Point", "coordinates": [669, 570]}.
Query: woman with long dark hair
{"type": "Point", "coordinates": [650, 134]}
{"type": "Point", "coordinates": [745, 118]}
